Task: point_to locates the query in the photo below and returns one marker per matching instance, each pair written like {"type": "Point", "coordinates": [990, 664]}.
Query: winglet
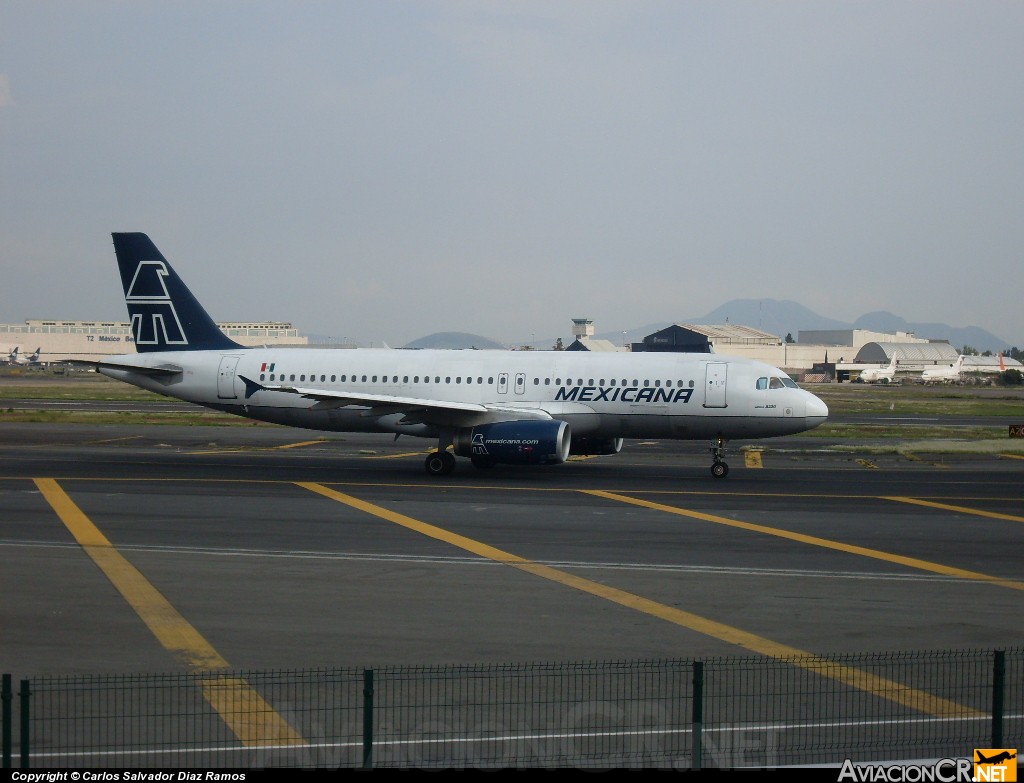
{"type": "Point", "coordinates": [165, 316]}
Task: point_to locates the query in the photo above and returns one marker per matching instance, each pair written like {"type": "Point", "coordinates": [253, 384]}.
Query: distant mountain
{"type": "Point", "coordinates": [452, 340]}
{"type": "Point", "coordinates": [779, 317]}
{"type": "Point", "coordinates": [770, 315]}
{"type": "Point", "coordinates": [782, 317]}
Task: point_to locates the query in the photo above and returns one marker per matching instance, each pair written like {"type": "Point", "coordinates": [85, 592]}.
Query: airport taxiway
{"type": "Point", "coordinates": [154, 548]}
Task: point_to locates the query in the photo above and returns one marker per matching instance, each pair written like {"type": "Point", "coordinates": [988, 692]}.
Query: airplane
{"type": "Point", "coordinates": [494, 407]}
{"type": "Point", "coordinates": [880, 374]}
{"type": "Point", "coordinates": [944, 374]}
{"type": "Point", "coordinates": [15, 358]}
{"type": "Point", "coordinates": [1005, 755]}
{"type": "Point", "coordinates": [32, 358]}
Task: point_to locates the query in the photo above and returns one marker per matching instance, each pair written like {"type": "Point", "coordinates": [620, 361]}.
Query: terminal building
{"type": "Point", "coordinates": [69, 341]}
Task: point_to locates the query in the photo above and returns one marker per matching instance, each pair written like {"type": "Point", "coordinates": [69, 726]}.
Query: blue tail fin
{"type": "Point", "coordinates": [164, 314]}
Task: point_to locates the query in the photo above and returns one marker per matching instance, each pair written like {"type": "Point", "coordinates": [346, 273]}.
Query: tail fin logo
{"type": "Point", "coordinates": [154, 319]}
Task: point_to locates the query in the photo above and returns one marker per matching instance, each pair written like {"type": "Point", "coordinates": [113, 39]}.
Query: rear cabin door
{"type": "Point", "coordinates": [226, 378]}
{"type": "Point", "coordinates": [714, 384]}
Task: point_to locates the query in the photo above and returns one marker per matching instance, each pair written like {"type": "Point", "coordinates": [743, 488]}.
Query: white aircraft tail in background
{"type": "Point", "coordinates": [494, 407]}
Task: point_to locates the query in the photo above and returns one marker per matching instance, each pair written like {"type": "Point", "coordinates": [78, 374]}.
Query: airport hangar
{"type": "Point", "coordinates": [807, 359]}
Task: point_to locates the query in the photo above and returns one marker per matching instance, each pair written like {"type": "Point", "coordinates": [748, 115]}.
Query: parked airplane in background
{"type": "Point", "coordinates": [880, 374]}
{"type": "Point", "coordinates": [512, 407]}
{"type": "Point", "coordinates": [32, 358]}
{"type": "Point", "coordinates": [944, 374]}
{"type": "Point", "coordinates": [15, 358]}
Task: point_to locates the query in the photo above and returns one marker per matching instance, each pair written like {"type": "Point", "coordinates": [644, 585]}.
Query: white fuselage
{"type": "Point", "coordinates": [613, 395]}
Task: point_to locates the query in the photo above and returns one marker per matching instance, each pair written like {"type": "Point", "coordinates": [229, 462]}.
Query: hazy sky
{"type": "Point", "coordinates": [379, 171]}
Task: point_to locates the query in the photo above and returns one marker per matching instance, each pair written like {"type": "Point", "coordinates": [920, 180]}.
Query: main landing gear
{"type": "Point", "coordinates": [440, 463]}
{"type": "Point", "coordinates": [719, 469]}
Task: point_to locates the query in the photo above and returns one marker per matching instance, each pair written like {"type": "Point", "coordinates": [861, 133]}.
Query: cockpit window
{"type": "Point", "coordinates": [775, 383]}
{"type": "Point", "coordinates": [787, 381]}
{"type": "Point", "coordinates": [762, 383]}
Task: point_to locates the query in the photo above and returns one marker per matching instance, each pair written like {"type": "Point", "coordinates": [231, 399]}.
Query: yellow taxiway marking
{"type": "Point", "coordinates": [959, 509]}
{"type": "Point", "coordinates": [261, 448]}
{"type": "Point", "coordinates": [252, 719]}
{"type": "Point", "coordinates": [865, 681]}
{"type": "Point", "coordinates": [877, 554]}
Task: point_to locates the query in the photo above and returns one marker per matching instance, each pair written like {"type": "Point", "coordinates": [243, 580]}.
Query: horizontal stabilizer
{"type": "Point", "coordinates": [156, 369]}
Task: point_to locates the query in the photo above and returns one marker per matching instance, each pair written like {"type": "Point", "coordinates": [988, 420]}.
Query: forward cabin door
{"type": "Point", "coordinates": [714, 384]}
{"type": "Point", "coordinates": [226, 378]}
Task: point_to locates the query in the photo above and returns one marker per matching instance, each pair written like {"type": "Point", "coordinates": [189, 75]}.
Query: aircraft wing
{"type": "Point", "coordinates": [416, 409]}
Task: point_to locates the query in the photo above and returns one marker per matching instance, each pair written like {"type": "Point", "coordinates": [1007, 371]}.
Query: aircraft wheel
{"type": "Point", "coordinates": [440, 463]}
{"type": "Point", "coordinates": [483, 461]}
{"type": "Point", "coordinates": [719, 470]}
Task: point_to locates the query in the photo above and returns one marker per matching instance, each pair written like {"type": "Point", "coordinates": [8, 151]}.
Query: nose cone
{"type": "Point", "coordinates": [817, 411]}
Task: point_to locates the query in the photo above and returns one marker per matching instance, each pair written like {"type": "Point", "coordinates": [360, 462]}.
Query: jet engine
{"type": "Point", "coordinates": [595, 446]}
{"type": "Point", "coordinates": [526, 442]}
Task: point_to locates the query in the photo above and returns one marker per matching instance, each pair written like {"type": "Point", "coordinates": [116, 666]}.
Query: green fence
{"type": "Point", "coordinates": [670, 714]}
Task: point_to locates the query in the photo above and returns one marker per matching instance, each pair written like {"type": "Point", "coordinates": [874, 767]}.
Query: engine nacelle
{"type": "Point", "coordinates": [526, 442]}
{"type": "Point", "coordinates": [595, 446]}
